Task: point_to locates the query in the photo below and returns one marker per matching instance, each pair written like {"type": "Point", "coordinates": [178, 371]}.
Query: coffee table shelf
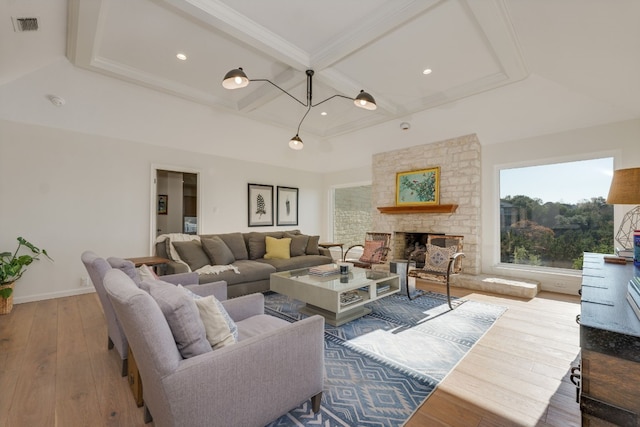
{"type": "Point", "coordinates": [326, 295]}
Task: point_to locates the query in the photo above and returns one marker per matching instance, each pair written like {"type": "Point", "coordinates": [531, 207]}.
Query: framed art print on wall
{"type": "Point", "coordinates": [419, 187]}
{"type": "Point", "coordinates": [163, 200]}
{"type": "Point", "coordinates": [287, 206]}
{"type": "Point", "coordinates": [260, 203]}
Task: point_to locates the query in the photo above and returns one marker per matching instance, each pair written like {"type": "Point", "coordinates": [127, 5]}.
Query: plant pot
{"type": "Point", "coordinates": [6, 304]}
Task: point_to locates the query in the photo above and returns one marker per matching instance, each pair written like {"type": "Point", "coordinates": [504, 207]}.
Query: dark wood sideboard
{"type": "Point", "coordinates": [610, 346]}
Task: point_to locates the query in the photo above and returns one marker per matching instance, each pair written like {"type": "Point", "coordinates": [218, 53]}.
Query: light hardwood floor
{"type": "Point", "coordinates": [55, 369]}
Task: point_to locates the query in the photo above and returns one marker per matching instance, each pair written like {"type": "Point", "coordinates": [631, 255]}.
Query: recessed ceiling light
{"type": "Point", "coordinates": [426, 71]}
{"type": "Point", "coordinates": [181, 57]}
{"type": "Point", "coordinates": [324, 113]}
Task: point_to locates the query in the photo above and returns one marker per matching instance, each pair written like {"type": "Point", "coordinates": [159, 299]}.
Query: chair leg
{"type": "Point", "coordinates": [315, 402]}
{"type": "Point", "coordinates": [125, 367]}
{"type": "Point", "coordinates": [147, 415]}
{"type": "Point", "coordinates": [448, 292]}
{"type": "Point", "coordinates": [109, 343]}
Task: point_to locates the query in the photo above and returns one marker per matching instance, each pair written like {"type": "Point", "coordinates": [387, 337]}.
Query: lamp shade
{"type": "Point", "coordinates": [625, 187]}
{"type": "Point", "coordinates": [296, 143]}
{"type": "Point", "coordinates": [366, 101]}
{"type": "Point", "coordinates": [235, 79]}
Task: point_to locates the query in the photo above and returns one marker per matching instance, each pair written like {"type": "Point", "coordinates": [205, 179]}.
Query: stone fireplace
{"type": "Point", "coordinates": [413, 241]}
{"type": "Point", "coordinates": [460, 172]}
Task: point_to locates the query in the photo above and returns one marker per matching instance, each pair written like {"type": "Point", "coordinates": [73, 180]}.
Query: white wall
{"type": "Point", "coordinates": [68, 192]}
{"type": "Point", "coordinates": [618, 140]}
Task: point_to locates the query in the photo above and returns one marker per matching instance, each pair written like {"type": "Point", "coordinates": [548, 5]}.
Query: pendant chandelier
{"type": "Point", "coordinates": [237, 79]}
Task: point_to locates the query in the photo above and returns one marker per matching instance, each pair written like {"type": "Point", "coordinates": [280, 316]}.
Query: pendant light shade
{"type": "Point", "coordinates": [366, 101]}
{"type": "Point", "coordinates": [235, 79]}
{"type": "Point", "coordinates": [296, 143]}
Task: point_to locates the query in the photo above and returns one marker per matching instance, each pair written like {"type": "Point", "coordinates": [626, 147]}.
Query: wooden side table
{"type": "Point", "coordinates": [328, 245]}
{"type": "Point", "coordinates": [151, 261]}
{"type": "Point", "coordinates": [154, 262]}
{"type": "Point", "coordinates": [135, 382]}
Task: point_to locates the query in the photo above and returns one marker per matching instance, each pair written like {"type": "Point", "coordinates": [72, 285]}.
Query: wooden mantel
{"type": "Point", "coordinates": [417, 209]}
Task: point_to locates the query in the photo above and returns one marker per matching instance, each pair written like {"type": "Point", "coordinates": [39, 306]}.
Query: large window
{"type": "Point", "coordinates": [551, 214]}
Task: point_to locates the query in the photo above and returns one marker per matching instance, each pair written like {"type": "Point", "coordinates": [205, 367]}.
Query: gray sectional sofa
{"type": "Point", "coordinates": [238, 258]}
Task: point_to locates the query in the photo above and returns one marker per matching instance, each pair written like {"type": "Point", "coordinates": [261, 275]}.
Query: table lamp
{"type": "Point", "coordinates": [625, 190]}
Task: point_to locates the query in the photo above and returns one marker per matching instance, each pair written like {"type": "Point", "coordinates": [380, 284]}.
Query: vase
{"type": "Point", "coordinates": [6, 304]}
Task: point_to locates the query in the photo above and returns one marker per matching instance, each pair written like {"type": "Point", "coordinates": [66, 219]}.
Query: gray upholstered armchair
{"type": "Point", "coordinates": [274, 367]}
{"type": "Point", "coordinates": [97, 267]}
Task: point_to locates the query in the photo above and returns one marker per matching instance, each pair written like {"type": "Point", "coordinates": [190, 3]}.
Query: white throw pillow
{"type": "Point", "coordinates": [146, 273]}
{"type": "Point", "coordinates": [216, 327]}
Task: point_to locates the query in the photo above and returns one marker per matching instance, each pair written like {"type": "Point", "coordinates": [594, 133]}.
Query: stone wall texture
{"type": "Point", "coordinates": [352, 215]}
{"type": "Point", "coordinates": [460, 172]}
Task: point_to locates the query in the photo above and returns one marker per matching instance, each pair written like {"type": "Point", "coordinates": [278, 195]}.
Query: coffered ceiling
{"type": "Point", "coordinates": [379, 46]}
{"type": "Point", "coordinates": [503, 69]}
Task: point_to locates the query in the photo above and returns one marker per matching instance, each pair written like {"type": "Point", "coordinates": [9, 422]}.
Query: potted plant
{"type": "Point", "coordinates": [12, 266]}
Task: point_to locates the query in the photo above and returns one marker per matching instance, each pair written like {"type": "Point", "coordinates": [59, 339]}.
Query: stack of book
{"type": "Point", "coordinates": [350, 297]}
{"type": "Point", "coordinates": [324, 270]}
{"type": "Point", "coordinates": [633, 295]}
{"type": "Point", "coordinates": [383, 288]}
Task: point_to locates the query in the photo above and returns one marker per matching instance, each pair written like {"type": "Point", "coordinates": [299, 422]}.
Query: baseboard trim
{"type": "Point", "coordinates": [53, 295]}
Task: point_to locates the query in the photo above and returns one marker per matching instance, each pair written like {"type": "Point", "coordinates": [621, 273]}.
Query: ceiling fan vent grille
{"type": "Point", "coordinates": [25, 24]}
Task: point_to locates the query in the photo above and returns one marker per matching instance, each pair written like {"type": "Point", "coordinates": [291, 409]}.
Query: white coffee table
{"type": "Point", "coordinates": [338, 298]}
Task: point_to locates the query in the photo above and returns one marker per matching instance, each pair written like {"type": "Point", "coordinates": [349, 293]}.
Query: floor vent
{"type": "Point", "coordinates": [25, 24]}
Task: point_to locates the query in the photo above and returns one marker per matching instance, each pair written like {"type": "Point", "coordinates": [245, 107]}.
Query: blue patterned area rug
{"type": "Point", "coordinates": [381, 367]}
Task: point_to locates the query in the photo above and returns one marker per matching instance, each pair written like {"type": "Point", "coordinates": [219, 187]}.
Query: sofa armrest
{"type": "Point", "coordinates": [217, 289]}
{"type": "Point", "coordinates": [245, 306]}
{"type": "Point", "coordinates": [183, 279]}
{"type": "Point", "coordinates": [325, 252]}
{"type": "Point", "coordinates": [175, 268]}
{"type": "Point", "coordinates": [286, 365]}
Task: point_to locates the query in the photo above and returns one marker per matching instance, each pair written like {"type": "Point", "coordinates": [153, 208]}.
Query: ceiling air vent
{"type": "Point", "coordinates": [25, 24]}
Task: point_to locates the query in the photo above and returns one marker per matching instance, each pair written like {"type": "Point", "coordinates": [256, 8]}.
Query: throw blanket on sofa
{"type": "Point", "coordinates": [176, 237]}
{"type": "Point", "coordinates": [217, 269]}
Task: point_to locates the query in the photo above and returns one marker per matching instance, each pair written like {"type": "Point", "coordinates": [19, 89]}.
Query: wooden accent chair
{"type": "Point", "coordinates": [375, 250]}
{"type": "Point", "coordinates": [441, 259]}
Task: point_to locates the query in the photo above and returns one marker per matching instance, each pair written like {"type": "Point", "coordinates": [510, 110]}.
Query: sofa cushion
{"type": "Point", "coordinates": [259, 325]}
{"type": "Point", "coordinates": [192, 253]}
{"type": "Point", "coordinates": [312, 245]}
{"type": "Point", "coordinates": [217, 329]}
{"type": "Point", "coordinates": [236, 243]}
{"type": "Point", "coordinates": [250, 271]}
{"type": "Point", "coordinates": [298, 243]}
{"type": "Point", "coordinates": [277, 248]}
{"type": "Point", "coordinates": [257, 245]}
{"type": "Point", "coordinates": [182, 316]}
{"type": "Point", "coordinates": [217, 250]}
{"type": "Point", "coordinates": [294, 263]}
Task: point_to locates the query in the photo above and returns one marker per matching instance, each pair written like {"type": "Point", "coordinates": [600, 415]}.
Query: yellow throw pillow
{"type": "Point", "coordinates": [277, 248]}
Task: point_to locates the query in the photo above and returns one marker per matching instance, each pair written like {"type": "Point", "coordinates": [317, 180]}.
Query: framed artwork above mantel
{"type": "Point", "coordinates": [418, 187]}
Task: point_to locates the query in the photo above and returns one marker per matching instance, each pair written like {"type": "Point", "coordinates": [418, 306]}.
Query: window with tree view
{"type": "Point", "coordinates": [551, 214]}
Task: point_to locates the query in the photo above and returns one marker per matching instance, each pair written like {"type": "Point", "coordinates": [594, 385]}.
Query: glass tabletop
{"type": "Point", "coordinates": [356, 278]}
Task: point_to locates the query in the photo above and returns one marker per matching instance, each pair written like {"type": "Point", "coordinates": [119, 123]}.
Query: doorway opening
{"type": "Point", "coordinates": [175, 202]}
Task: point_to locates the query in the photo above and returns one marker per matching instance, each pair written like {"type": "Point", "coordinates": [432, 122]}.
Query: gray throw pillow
{"type": "Point", "coordinates": [217, 250]}
{"type": "Point", "coordinates": [126, 266]}
{"type": "Point", "coordinates": [298, 244]}
{"type": "Point", "coordinates": [192, 253]}
{"type": "Point", "coordinates": [312, 245]}
{"type": "Point", "coordinates": [257, 244]}
{"type": "Point", "coordinates": [182, 315]}
{"type": "Point", "coordinates": [236, 243]}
